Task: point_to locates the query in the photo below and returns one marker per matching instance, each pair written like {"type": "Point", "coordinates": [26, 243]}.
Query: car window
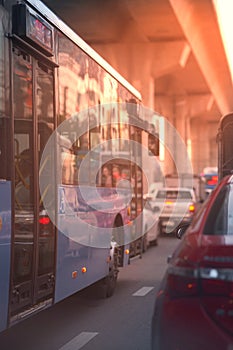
{"type": "Point", "coordinates": [173, 194]}
{"type": "Point", "coordinates": [220, 217]}
{"type": "Point", "coordinates": [184, 195]}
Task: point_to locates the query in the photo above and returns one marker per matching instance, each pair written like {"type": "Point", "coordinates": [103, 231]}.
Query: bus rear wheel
{"type": "Point", "coordinates": [110, 281]}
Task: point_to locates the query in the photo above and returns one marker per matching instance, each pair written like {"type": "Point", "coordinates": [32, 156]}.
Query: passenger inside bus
{"type": "Point", "coordinates": [125, 181]}
{"type": "Point", "coordinates": [106, 177]}
{"type": "Point", "coordinates": [116, 175]}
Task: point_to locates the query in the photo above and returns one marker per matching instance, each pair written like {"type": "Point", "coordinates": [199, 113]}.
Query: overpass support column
{"type": "Point", "coordinates": [140, 72]}
{"type": "Point", "coordinates": [177, 136]}
{"type": "Point", "coordinates": [204, 150]}
{"type": "Point", "coordinates": [183, 152]}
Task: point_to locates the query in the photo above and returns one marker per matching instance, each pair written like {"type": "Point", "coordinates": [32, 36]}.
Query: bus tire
{"type": "Point", "coordinates": [111, 279]}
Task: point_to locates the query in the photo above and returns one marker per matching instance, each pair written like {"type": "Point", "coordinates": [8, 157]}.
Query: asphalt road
{"type": "Point", "coordinates": [86, 321]}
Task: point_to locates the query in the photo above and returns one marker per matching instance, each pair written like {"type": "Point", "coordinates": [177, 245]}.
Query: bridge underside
{"type": "Point", "coordinates": [172, 52]}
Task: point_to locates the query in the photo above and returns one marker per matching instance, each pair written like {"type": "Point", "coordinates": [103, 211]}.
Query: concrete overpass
{"type": "Point", "coordinates": [172, 52]}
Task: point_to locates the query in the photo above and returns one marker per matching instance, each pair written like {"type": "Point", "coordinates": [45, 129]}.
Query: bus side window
{"type": "Point", "coordinates": [66, 160]}
{"type": "Point", "coordinates": [153, 144]}
{"type": "Point", "coordinates": [4, 149]}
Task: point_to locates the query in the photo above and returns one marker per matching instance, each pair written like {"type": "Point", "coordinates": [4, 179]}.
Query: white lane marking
{"type": "Point", "coordinates": [78, 342]}
{"type": "Point", "coordinates": [142, 291]}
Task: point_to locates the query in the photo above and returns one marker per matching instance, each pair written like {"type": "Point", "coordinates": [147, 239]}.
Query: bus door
{"type": "Point", "coordinates": [137, 196]}
{"type": "Point", "coordinates": [33, 247]}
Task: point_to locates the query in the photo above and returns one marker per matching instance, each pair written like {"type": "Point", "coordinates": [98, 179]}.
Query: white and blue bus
{"type": "Point", "coordinates": [66, 134]}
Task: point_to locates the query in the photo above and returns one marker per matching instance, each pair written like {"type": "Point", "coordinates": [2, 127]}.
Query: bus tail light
{"type": "Point", "coordinates": [74, 274]}
{"type": "Point", "coordinates": [44, 220]}
{"type": "Point", "coordinates": [45, 226]}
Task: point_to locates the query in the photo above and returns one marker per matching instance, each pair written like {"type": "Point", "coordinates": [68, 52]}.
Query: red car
{"type": "Point", "coordinates": [194, 304]}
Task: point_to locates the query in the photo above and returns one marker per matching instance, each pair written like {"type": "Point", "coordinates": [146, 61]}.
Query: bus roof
{"type": "Point", "coordinates": [64, 28]}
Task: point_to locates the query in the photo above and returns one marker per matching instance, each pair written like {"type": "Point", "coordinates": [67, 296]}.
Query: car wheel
{"type": "Point", "coordinates": [160, 228]}
{"type": "Point", "coordinates": [144, 243]}
{"type": "Point", "coordinates": [110, 281]}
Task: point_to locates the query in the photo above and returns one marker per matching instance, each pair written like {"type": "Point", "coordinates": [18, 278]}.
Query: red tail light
{"type": "Point", "coordinates": [182, 281]}
{"type": "Point", "coordinates": [44, 220]}
{"type": "Point", "coordinates": [217, 295]}
{"type": "Point", "coordinates": [217, 281]}
{"type": "Point", "coordinates": [214, 287]}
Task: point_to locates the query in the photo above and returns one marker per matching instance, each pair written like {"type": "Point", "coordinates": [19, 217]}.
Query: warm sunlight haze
{"type": "Point", "coordinates": [224, 9]}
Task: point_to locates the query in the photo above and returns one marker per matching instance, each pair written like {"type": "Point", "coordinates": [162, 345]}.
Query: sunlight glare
{"type": "Point", "coordinates": [224, 10]}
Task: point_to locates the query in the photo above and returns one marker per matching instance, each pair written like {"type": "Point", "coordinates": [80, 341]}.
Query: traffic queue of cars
{"type": "Point", "coordinates": [194, 304]}
{"type": "Point", "coordinates": [165, 208]}
{"type": "Point", "coordinates": [177, 200]}
{"type": "Point", "coordinates": [175, 206]}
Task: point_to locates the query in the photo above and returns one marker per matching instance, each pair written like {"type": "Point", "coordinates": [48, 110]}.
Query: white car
{"type": "Point", "coordinates": [175, 205]}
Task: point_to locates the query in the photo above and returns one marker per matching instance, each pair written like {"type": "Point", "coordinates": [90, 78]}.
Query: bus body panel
{"type": "Point", "coordinates": [5, 246]}
{"type": "Point", "coordinates": [84, 236]}
{"type": "Point", "coordinates": [78, 266]}
{"type": "Point", "coordinates": [57, 262]}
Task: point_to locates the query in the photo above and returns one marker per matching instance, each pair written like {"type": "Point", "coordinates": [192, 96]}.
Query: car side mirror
{"type": "Point", "coordinates": [181, 230]}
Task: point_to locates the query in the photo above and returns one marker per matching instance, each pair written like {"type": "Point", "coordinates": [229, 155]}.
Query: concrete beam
{"type": "Point", "coordinates": [199, 23]}
{"type": "Point", "coordinates": [141, 62]}
{"type": "Point", "coordinates": [165, 59]}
